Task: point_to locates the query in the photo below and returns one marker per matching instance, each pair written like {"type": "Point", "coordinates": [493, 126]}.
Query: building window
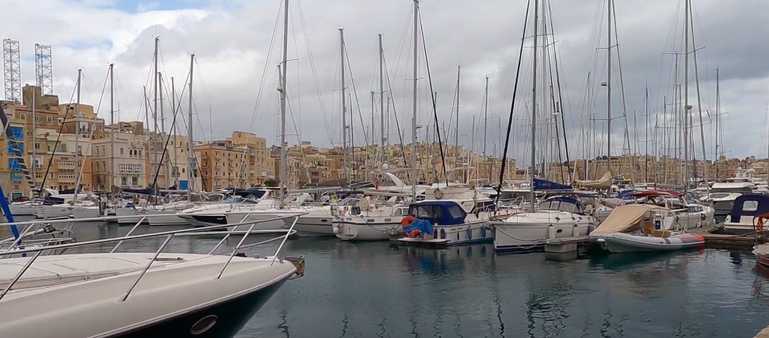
{"type": "Point", "coordinates": [49, 119]}
{"type": "Point", "coordinates": [134, 181]}
{"type": "Point", "coordinates": [123, 180]}
{"type": "Point", "coordinates": [79, 150]}
{"type": "Point", "coordinates": [23, 116]}
{"type": "Point", "coordinates": [121, 151]}
{"type": "Point", "coordinates": [37, 118]}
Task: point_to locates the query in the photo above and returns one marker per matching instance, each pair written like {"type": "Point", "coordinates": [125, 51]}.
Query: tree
{"type": "Point", "coordinates": [271, 183]}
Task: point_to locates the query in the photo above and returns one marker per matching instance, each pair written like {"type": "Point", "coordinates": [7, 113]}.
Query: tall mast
{"type": "Point", "coordinates": [162, 133]}
{"type": "Point", "coordinates": [190, 148]}
{"type": "Point", "coordinates": [646, 137]}
{"type": "Point", "coordinates": [718, 112]}
{"type": "Point", "coordinates": [147, 119]}
{"type": "Point", "coordinates": [456, 129]}
{"type": "Point", "coordinates": [414, 107]}
{"type": "Point", "coordinates": [608, 91]}
{"type": "Point", "coordinates": [77, 131]}
{"type": "Point", "coordinates": [485, 122]}
{"type": "Point", "coordinates": [155, 115]}
{"type": "Point", "coordinates": [534, 110]}
{"type": "Point", "coordinates": [381, 101]}
{"type": "Point", "coordinates": [344, 111]}
{"type": "Point", "coordinates": [34, 139]}
{"type": "Point", "coordinates": [283, 150]}
{"type": "Point", "coordinates": [175, 170]}
{"type": "Point", "coordinates": [686, 95]}
{"type": "Point", "coordinates": [112, 122]}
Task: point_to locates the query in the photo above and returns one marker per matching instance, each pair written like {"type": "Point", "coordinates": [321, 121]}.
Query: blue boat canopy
{"type": "Point", "coordinates": [540, 185]}
{"type": "Point", "coordinates": [438, 212]}
{"type": "Point", "coordinates": [761, 206]}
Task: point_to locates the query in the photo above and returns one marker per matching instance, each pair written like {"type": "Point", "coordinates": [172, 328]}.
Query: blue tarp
{"type": "Point", "coordinates": [424, 227]}
{"type": "Point", "coordinates": [549, 185]}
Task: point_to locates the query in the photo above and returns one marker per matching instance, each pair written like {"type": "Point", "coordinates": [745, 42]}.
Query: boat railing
{"type": "Point", "coordinates": [298, 262]}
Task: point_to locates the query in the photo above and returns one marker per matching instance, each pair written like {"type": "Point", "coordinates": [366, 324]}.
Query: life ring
{"type": "Point", "coordinates": [758, 222]}
{"type": "Point", "coordinates": [407, 220]}
{"type": "Point", "coordinates": [334, 198]}
{"type": "Point", "coordinates": [438, 193]}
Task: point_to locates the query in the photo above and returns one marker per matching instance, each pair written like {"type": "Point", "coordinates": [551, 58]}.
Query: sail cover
{"type": "Point", "coordinates": [603, 183]}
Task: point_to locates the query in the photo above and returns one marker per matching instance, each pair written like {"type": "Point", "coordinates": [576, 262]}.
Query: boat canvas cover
{"type": "Point", "coordinates": [603, 183]}
{"type": "Point", "coordinates": [623, 218]}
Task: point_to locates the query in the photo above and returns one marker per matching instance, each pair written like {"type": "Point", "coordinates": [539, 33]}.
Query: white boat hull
{"type": "Point", "coordinates": [136, 214]}
{"type": "Point", "coordinates": [165, 217]}
{"type": "Point", "coordinates": [313, 226]}
{"type": "Point", "coordinates": [53, 211]}
{"type": "Point", "coordinates": [357, 229]}
{"type": "Point", "coordinates": [22, 209]}
{"type": "Point", "coordinates": [512, 237]}
{"type": "Point", "coordinates": [622, 243]}
{"type": "Point", "coordinates": [80, 295]}
{"type": "Point", "coordinates": [475, 232]}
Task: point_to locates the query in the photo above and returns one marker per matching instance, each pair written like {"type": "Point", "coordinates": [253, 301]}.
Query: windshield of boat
{"type": "Point", "coordinates": [559, 205]}
{"type": "Point", "coordinates": [238, 199]}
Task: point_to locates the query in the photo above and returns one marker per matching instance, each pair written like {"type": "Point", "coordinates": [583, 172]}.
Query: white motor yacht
{"type": "Point", "coordinates": [556, 217]}
{"type": "Point", "coordinates": [146, 294]}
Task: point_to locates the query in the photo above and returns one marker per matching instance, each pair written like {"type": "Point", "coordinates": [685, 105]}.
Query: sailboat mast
{"type": "Point", "coordinates": [381, 101]}
{"type": "Point", "coordinates": [718, 112]}
{"type": "Point", "coordinates": [608, 90]}
{"type": "Point", "coordinates": [414, 107]}
{"type": "Point", "coordinates": [77, 131]}
{"type": "Point", "coordinates": [175, 169]}
{"type": "Point", "coordinates": [283, 150]}
{"type": "Point", "coordinates": [112, 122]}
{"type": "Point", "coordinates": [344, 110]}
{"type": "Point", "coordinates": [456, 129]}
{"type": "Point", "coordinates": [646, 137]}
{"type": "Point", "coordinates": [155, 115]}
{"type": "Point", "coordinates": [686, 95]}
{"type": "Point", "coordinates": [190, 148]}
{"type": "Point", "coordinates": [534, 111]}
{"type": "Point", "coordinates": [485, 124]}
{"type": "Point", "coordinates": [162, 134]}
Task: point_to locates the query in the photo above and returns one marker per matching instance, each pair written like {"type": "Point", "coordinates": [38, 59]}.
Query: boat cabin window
{"type": "Point", "coordinates": [750, 206]}
{"type": "Point", "coordinates": [427, 211]}
{"type": "Point", "coordinates": [557, 204]}
{"type": "Point", "coordinates": [402, 211]}
{"type": "Point", "coordinates": [738, 190]}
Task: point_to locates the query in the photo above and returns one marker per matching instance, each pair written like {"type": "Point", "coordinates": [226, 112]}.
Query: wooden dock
{"type": "Point", "coordinates": [763, 334]}
{"type": "Point", "coordinates": [723, 241]}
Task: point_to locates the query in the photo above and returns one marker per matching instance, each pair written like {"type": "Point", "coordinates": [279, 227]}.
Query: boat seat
{"type": "Point", "coordinates": [649, 229]}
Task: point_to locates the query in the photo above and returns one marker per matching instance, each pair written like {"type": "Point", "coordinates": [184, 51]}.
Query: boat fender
{"type": "Point", "coordinates": [438, 193]}
{"type": "Point", "coordinates": [550, 232]}
{"type": "Point", "coordinates": [336, 230]}
{"type": "Point", "coordinates": [703, 217]}
{"type": "Point", "coordinates": [575, 231]}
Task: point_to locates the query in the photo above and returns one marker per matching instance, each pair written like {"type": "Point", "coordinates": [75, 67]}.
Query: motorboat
{"type": "Point", "coordinates": [643, 227]}
{"type": "Point", "coordinates": [451, 215]}
{"type": "Point", "coordinates": [745, 213]}
{"type": "Point", "coordinates": [141, 294]}
{"type": "Point", "coordinates": [358, 219]}
{"type": "Point", "coordinates": [690, 215]}
{"type": "Point", "coordinates": [560, 216]}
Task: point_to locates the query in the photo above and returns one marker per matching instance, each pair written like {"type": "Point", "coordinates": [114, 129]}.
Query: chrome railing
{"type": "Point", "coordinates": [298, 262]}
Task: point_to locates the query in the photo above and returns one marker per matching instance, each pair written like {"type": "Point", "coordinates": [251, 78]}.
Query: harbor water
{"type": "Point", "coordinates": [379, 290]}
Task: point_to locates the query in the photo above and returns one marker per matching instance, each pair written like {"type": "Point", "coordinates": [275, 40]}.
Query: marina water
{"type": "Point", "coordinates": [379, 290]}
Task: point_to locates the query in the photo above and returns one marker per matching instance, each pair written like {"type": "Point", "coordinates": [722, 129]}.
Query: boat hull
{"type": "Point", "coordinates": [623, 243]}
{"type": "Point", "coordinates": [229, 317]}
{"type": "Point", "coordinates": [53, 211]}
{"type": "Point", "coordinates": [523, 237]}
{"type": "Point", "coordinates": [313, 226]}
{"type": "Point", "coordinates": [475, 232]}
{"type": "Point", "coordinates": [136, 216]}
{"type": "Point", "coordinates": [353, 230]}
{"type": "Point", "coordinates": [176, 298]}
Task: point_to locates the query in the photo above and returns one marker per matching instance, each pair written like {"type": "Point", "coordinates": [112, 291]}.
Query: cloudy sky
{"type": "Point", "coordinates": [238, 48]}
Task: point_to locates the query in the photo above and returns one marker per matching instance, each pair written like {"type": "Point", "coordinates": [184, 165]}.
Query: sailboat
{"type": "Point", "coordinates": [557, 217]}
